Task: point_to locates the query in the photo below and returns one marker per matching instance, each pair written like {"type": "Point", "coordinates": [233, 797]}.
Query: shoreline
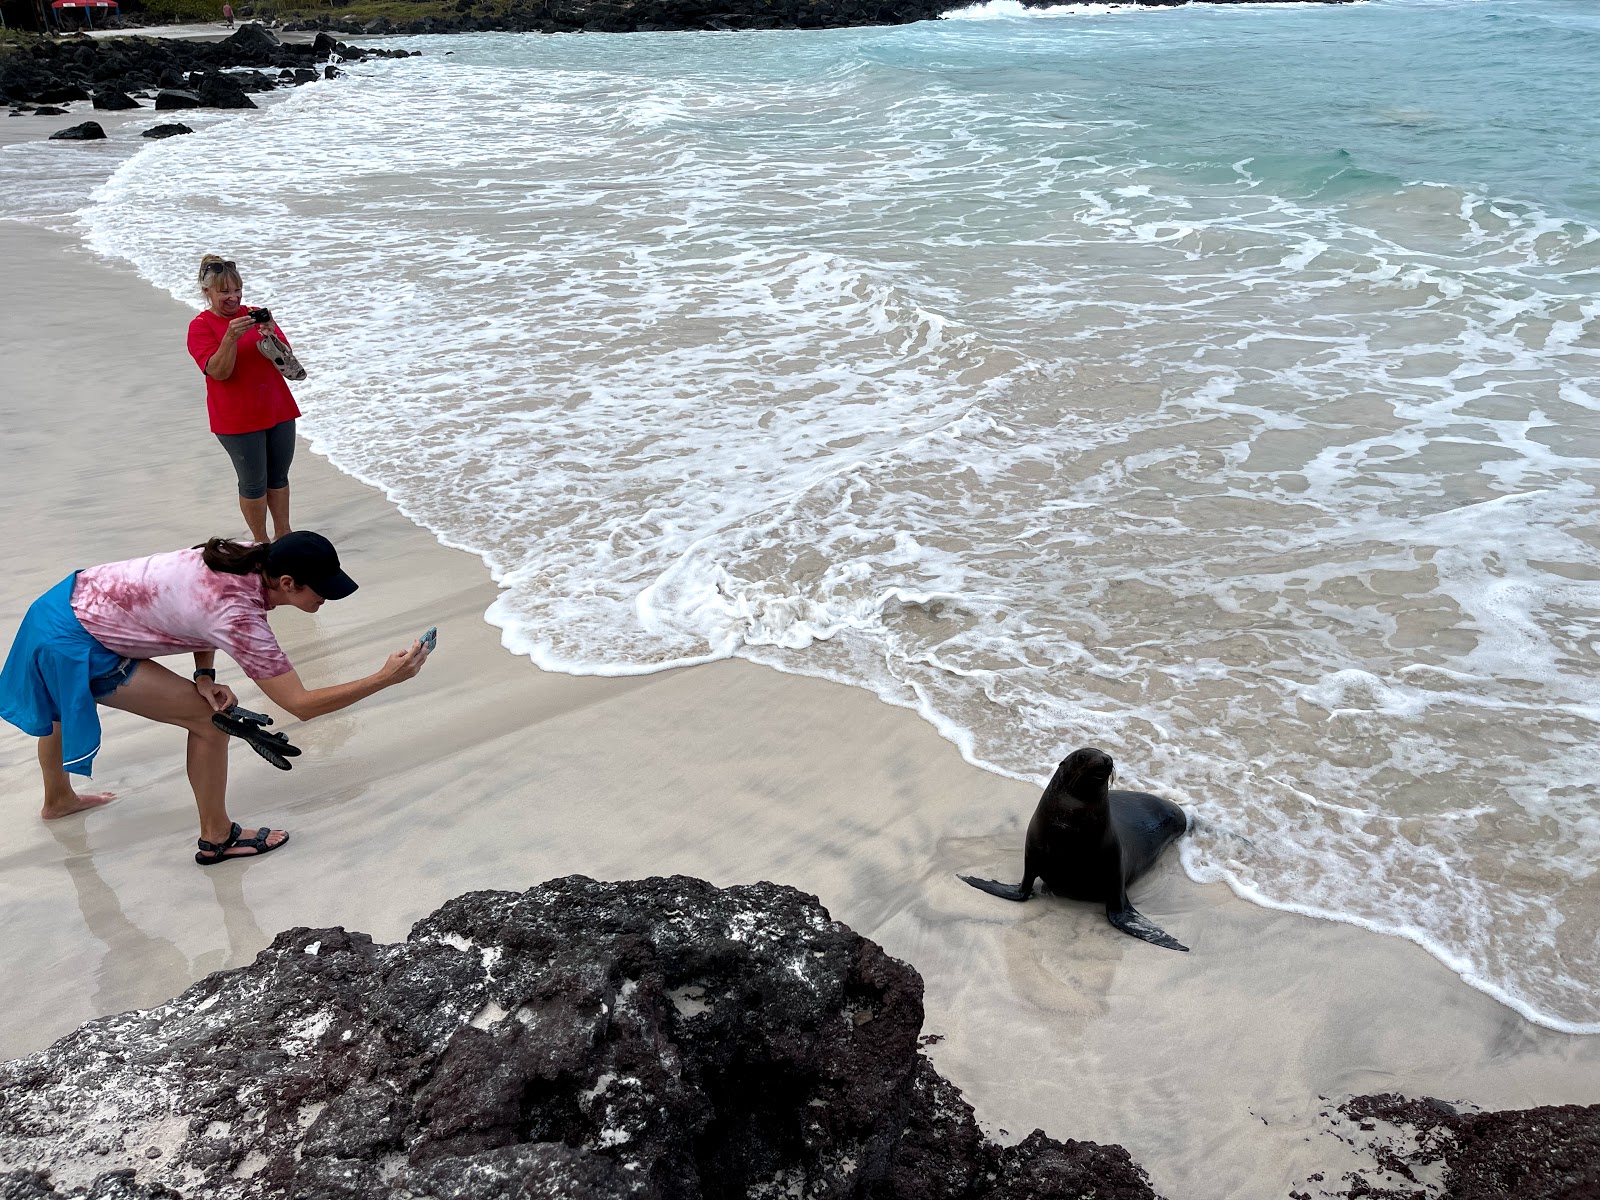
{"type": "Point", "coordinates": [659, 16]}
{"type": "Point", "coordinates": [1439, 945]}
{"type": "Point", "coordinates": [485, 772]}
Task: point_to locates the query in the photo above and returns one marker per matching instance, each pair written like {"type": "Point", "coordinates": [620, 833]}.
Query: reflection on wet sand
{"type": "Point", "coordinates": [139, 970]}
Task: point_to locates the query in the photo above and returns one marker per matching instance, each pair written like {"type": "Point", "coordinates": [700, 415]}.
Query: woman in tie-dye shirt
{"type": "Point", "coordinates": [90, 640]}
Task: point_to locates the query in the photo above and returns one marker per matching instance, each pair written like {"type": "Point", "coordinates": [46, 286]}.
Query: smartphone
{"type": "Point", "coordinates": [430, 639]}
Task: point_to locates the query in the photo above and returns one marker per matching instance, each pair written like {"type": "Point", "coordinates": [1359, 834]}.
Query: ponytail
{"type": "Point", "coordinates": [235, 558]}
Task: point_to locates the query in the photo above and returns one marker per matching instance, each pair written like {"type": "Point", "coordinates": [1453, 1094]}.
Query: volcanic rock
{"type": "Point", "coordinates": [64, 69]}
{"type": "Point", "coordinates": [253, 41]}
{"type": "Point", "coordinates": [1548, 1153]}
{"type": "Point", "coordinates": [223, 92]}
{"type": "Point", "coordinates": [661, 1039]}
{"type": "Point", "coordinates": [170, 98]}
{"type": "Point", "coordinates": [89, 131]}
{"type": "Point", "coordinates": [62, 94]}
{"type": "Point", "coordinates": [110, 100]}
{"type": "Point", "coordinates": [166, 131]}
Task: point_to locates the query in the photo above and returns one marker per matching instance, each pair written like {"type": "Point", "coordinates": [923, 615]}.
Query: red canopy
{"type": "Point", "coordinates": [87, 4]}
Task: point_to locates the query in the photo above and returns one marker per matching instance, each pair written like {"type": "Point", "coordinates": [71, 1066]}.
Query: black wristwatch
{"type": "Point", "coordinates": [209, 672]}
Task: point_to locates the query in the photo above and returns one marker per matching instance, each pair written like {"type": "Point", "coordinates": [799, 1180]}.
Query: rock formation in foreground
{"type": "Point", "coordinates": [1424, 1149]}
{"type": "Point", "coordinates": [582, 1040]}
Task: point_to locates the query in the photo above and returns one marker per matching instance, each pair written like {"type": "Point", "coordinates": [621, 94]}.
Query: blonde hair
{"type": "Point", "coordinates": [225, 273]}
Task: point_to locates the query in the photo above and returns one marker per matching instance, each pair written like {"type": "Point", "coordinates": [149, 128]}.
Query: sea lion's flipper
{"type": "Point", "coordinates": [1129, 920]}
{"type": "Point", "coordinates": [1006, 891]}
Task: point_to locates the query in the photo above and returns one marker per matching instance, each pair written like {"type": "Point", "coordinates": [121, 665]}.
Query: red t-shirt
{"type": "Point", "coordinates": [255, 396]}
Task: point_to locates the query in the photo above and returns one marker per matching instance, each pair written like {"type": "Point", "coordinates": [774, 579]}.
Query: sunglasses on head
{"type": "Point", "coordinates": [218, 268]}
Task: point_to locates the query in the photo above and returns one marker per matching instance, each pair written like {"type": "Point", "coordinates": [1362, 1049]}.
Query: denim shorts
{"type": "Point", "coordinates": [102, 686]}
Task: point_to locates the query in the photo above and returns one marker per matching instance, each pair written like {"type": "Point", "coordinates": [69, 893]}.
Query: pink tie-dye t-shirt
{"type": "Point", "coordinates": [171, 603]}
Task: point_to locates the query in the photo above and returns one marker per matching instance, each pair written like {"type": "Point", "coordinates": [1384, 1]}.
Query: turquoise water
{"type": "Point", "coordinates": [1494, 96]}
{"type": "Point", "coordinates": [1214, 385]}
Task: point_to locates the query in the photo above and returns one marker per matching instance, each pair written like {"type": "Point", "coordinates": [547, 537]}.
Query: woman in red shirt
{"type": "Point", "coordinates": [252, 411]}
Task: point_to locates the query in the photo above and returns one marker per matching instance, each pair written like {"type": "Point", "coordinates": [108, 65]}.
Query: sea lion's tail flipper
{"type": "Point", "coordinates": [1129, 920]}
{"type": "Point", "coordinates": [1006, 891]}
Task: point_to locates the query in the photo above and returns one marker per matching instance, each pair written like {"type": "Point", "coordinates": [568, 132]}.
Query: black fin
{"type": "Point", "coordinates": [1130, 921]}
{"type": "Point", "coordinates": [274, 747]}
{"type": "Point", "coordinates": [1006, 891]}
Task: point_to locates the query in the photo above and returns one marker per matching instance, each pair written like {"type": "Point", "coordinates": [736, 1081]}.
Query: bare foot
{"type": "Point", "coordinates": [74, 802]}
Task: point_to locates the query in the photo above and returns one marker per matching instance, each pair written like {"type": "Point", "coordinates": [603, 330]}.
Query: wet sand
{"type": "Point", "coordinates": [486, 773]}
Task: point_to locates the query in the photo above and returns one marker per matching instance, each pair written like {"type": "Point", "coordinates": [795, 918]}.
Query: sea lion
{"type": "Point", "coordinates": [1089, 843]}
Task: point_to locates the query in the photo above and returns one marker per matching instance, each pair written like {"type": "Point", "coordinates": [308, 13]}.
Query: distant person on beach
{"type": "Point", "coordinates": [251, 408]}
{"type": "Point", "coordinates": [227, 14]}
{"type": "Point", "coordinates": [89, 640]}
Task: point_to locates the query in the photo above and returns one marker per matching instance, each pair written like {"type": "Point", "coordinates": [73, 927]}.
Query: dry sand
{"type": "Point", "coordinates": [486, 773]}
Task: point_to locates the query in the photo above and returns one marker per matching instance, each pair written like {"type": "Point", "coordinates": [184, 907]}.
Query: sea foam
{"type": "Point", "coordinates": [936, 361]}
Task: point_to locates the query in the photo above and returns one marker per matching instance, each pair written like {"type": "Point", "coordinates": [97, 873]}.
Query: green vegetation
{"type": "Point", "coordinates": [182, 12]}
{"type": "Point", "coordinates": [17, 39]}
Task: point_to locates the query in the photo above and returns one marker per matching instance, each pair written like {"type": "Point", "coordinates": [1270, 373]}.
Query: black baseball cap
{"type": "Point", "coordinates": [311, 561]}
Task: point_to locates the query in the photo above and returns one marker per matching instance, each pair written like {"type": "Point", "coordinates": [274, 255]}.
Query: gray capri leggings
{"type": "Point", "coordinates": [261, 459]}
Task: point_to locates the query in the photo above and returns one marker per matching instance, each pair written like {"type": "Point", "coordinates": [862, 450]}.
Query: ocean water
{"type": "Point", "coordinates": [1217, 386]}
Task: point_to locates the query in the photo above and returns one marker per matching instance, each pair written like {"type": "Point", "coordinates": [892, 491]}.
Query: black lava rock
{"type": "Point", "coordinates": [49, 110]}
{"type": "Point", "coordinates": [110, 100]}
{"type": "Point", "coordinates": [65, 69]}
{"type": "Point", "coordinates": [166, 131]}
{"type": "Point", "coordinates": [170, 98]}
{"type": "Point", "coordinates": [61, 94]}
{"type": "Point", "coordinates": [661, 1040]}
{"type": "Point", "coordinates": [1549, 1153]}
{"type": "Point", "coordinates": [89, 131]}
{"type": "Point", "coordinates": [218, 90]}
{"type": "Point", "coordinates": [253, 41]}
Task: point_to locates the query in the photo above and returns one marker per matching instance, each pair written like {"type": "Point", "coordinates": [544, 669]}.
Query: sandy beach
{"type": "Point", "coordinates": [1210, 1067]}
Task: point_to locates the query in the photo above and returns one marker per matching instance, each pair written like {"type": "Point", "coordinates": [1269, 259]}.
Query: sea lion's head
{"type": "Point", "coordinates": [1086, 773]}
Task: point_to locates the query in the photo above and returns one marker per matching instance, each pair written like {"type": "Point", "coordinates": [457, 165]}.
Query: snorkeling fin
{"type": "Point", "coordinates": [247, 726]}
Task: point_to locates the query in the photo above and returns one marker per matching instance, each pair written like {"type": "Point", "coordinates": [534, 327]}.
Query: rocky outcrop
{"type": "Point", "coordinates": [219, 90]}
{"type": "Point", "coordinates": [89, 131]}
{"type": "Point", "coordinates": [640, 16]}
{"type": "Point", "coordinates": [111, 100]}
{"type": "Point", "coordinates": [1424, 1149]}
{"type": "Point", "coordinates": [643, 16]}
{"type": "Point", "coordinates": [657, 1039]}
{"type": "Point", "coordinates": [175, 129]}
{"type": "Point", "coordinates": [59, 70]}
{"type": "Point", "coordinates": [169, 99]}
